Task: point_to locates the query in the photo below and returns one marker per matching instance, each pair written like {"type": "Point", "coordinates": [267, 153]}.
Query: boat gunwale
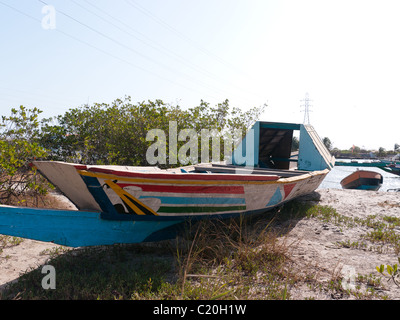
{"type": "Point", "coordinates": [183, 176]}
{"type": "Point", "coordinates": [170, 178]}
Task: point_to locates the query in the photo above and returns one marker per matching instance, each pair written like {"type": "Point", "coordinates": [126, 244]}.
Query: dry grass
{"type": "Point", "coordinates": [232, 259]}
{"type": "Point", "coordinates": [241, 258]}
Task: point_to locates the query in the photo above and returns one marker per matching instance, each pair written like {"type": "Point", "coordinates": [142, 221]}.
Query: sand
{"type": "Point", "coordinates": [332, 250]}
{"type": "Point", "coordinates": [317, 247]}
{"type": "Point", "coordinates": [17, 258]}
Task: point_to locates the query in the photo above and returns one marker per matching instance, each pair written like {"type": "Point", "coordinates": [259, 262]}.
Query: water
{"type": "Point", "coordinates": [333, 178]}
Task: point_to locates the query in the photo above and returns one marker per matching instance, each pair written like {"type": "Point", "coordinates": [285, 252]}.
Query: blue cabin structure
{"type": "Point", "coordinates": [269, 145]}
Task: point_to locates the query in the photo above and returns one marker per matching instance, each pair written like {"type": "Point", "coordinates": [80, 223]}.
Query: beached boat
{"type": "Point", "coordinates": [392, 168]}
{"type": "Point", "coordinates": [393, 160]}
{"type": "Point", "coordinates": [355, 163]}
{"type": "Point", "coordinates": [118, 204]}
{"type": "Point", "coordinates": [362, 180]}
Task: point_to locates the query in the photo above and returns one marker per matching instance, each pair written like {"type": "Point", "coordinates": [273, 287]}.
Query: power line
{"type": "Point", "coordinates": [179, 34]}
{"type": "Point", "coordinates": [132, 35]}
{"type": "Point", "coordinates": [190, 41]}
{"type": "Point", "coordinates": [156, 47]}
{"type": "Point", "coordinates": [99, 49]}
{"type": "Point", "coordinates": [110, 39]}
{"type": "Point", "coordinates": [135, 51]}
{"type": "Point", "coordinates": [19, 11]}
{"type": "Point", "coordinates": [104, 35]}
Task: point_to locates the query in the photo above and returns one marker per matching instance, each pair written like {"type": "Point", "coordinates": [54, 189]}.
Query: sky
{"type": "Point", "coordinates": [345, 55]}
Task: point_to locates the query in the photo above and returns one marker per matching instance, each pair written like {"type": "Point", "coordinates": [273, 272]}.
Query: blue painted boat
{"type": "Point", "coordinates": [392, 168]}
{"type": "Point", "coordinates": [376, 164]}
{"type": "Point", "coordinates": [117, 204]}
{"type": "Point", "coordinates": [80, 228]}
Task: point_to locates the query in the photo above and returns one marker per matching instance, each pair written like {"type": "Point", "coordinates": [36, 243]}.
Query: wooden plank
{"type": "Point", "coordinates": [283, 173]}
{"type": "Point", "coordinates": [218, 168]}
{"type": "Point", "coordinates": [65, 177]}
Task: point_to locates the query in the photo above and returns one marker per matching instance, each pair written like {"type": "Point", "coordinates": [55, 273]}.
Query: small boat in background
{"type": "Point", "coordinates": [392, 168]}
{"type": "Point", "coordinates": [363, 180]}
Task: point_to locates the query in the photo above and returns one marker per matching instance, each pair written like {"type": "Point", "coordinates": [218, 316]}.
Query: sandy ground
{"type": "Point", "coordinates": [18, 258]}
{"type": "Point", "coordinates": [316, 246]}
{"type": "Point", "coordinates": [325, 247]}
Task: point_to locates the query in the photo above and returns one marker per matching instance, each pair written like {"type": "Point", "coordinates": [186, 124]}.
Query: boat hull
{"type": "Point", "coordinates": [363, 180]}
{"type": "Point", "coordinates": [80, 228]}
{"type": "Point", "coordinates": [117, 206]}
{"type": "Point", "coordinates": [127, 195]}
{"type": "Point", "coordinates": [394, 168]}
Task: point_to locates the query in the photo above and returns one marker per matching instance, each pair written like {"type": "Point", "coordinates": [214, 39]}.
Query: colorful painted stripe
{"type": "Point", "coordinates": [288, 189]}
{"type": "Point", "coordinates": [189, 209]}
{"type": "Point", "coordinates": [198, 201]}
{"type": "Point", "coordinates": [133, 205]}
{"type": "Point", "coordinates": [187, 189]}
{"type": "Point", "coordinates": [186, 176]}
{"type": "Point", "coordinates": [276, 198]}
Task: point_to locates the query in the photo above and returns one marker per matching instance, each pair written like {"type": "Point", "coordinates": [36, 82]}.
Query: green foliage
{"type": "Point", "coordinates": [327, 142]}
{"type": "Point", "coordinates": [295, 144]}
{"type": "Point", "coordinates": [116, 133]}
{"type": "Point", "coordinates": [381, 152]}
{"type": "Point", "coordinates": [100, 134]}
{"type": "Point", "coordinates": [392, 272]}
{"type": "Point", "coordinates": [19, 146]}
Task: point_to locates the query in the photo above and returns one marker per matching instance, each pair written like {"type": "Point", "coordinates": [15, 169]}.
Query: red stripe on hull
{"type": "Point", "coordinates": [187, 176]}
{"type": "Point", "coordinates": [186, 189]}
{"type": "Point", "coordinates": [288, 189]}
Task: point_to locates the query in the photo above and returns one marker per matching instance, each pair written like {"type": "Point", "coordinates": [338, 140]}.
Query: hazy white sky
{"type": "Point", "coordinates": [344, 54]}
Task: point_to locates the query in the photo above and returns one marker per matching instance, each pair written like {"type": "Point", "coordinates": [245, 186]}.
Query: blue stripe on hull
{"type": "Point", "coordinates": [369, 187]}
{"type": "Point", "coordinates": [78, 228]}
{"type": "Point", "coordinates": [276, 198]}
{"type": "Point", "coordinates": [190, 200]}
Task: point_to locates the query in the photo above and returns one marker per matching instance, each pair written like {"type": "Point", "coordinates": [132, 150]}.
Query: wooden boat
{"type": "Point", "coordinates": [363, 180]}
{"type": "Point", "coordinates": [119, 204]}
